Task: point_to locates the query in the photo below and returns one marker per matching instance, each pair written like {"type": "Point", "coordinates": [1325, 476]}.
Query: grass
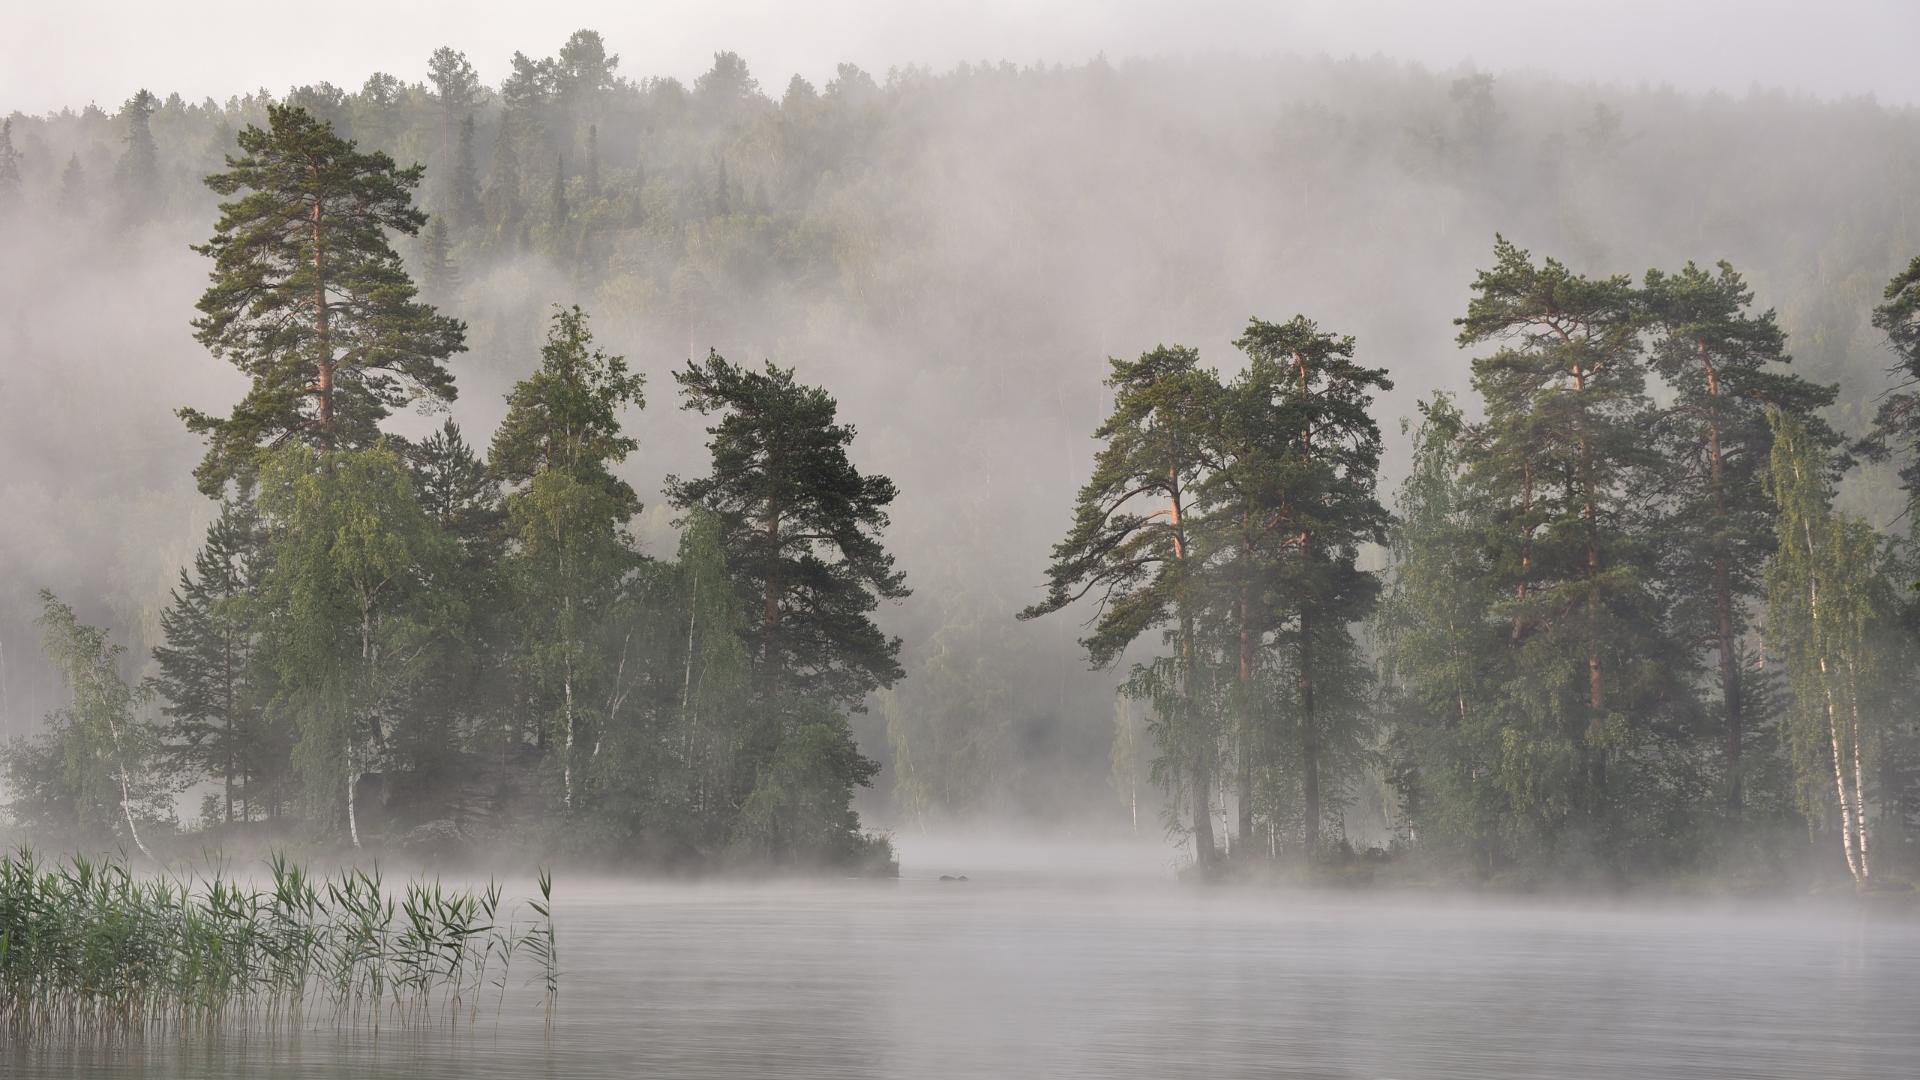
{"type": "Point", "coordinates": [89, 949]}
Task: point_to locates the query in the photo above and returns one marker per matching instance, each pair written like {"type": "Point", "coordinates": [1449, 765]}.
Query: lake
{"type": "Point", "coordinates": [1092, 962]}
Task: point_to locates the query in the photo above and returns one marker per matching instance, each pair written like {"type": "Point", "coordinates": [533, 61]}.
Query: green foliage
{"type": "Point", "coordinates": [88, 947]}
{"type": "Point", "coordinates": [9, 168]}
{"type": "Point", "coordinates": [139, 176]}
{"type": "Point", "coordinates": [1898, 421]}
{"type": "Point", "coordinates": [310, 301]}
{"type": "Point", "coordinates": [800, 812]}
{"type": "Point", "coordinates": [570, 555]}
{"type": "Point", "coordinates": [801, 527]}
{"type": "Point", "coordinates": [211, 676]}
{"type": "Point", "coordinates": [91, 775]}
{"type": "Point", "coordinates": [354, 565]}
{"type": "Point", "coordinates": [1721, 365]}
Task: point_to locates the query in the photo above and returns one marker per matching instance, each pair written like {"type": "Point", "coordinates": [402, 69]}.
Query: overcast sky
{"type": "Point", "coordinates": [56, 53]}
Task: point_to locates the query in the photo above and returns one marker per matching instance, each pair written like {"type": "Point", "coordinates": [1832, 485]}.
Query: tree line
{"type": "Point", "coordinates": [817, 220]}
{"type": "Point", "coordinates": [1620, 627]}
{"type": "Point", "coordinates": [435, 644]}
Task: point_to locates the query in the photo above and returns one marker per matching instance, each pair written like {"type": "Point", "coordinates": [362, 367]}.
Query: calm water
{"type": "Point", "coordinates": [1106, 969]}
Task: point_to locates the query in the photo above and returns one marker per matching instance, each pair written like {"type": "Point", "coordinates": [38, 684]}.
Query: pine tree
{"type": "Point", "coordinates": [310, 300]}
{"type": "Point", "coordinates": [208, 671]}
{"type": "Point", "coordinates": [801, 527]}
{"type": "Point", "coordinates": [1721, 364]}
{"type": "Point", "coordinates": [1570, 478]}
{"type": "Point", "coordinates": [1316, 488]}
{"type": "Point", "coordinates": [1898, 421]}
{"type": "Point", "coordinates": [801, 531]}
{"type": "Point", "coordinates": [571, 555]}
{"type": "Point", "coordinates": [1129, 546]}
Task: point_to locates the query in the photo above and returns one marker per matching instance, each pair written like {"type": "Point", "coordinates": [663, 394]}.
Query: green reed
{"type": "Point", "coordinates": [88, 948]}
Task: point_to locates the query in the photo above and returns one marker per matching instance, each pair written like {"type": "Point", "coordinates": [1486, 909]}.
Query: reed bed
{"type": "Point", "coordinates": [89, 949]}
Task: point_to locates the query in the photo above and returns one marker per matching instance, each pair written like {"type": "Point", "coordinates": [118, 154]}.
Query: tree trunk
{"type": "Point", "coordinates": [1243, 779]}
{"type": "Point", "coordinates": [1723, 589]}
{"type": "Point", "coordinates": [1309, 730]}
{"type": "Point", "coordinates": [1526, 548]}
{"type": "Point", "coordinates": [1204, 852]}
{"type": "Point", "coordinates": [1833, 720]}
{"type": "Point", "coordinates": [353, 782]}
{"type": "Point", "coordinates": [770, 603]}
{"type": "Point", "coordinates": [1596, 685]}
{"type": "Point", "coordinates": [322, 330]}
{"type": "Point", "coordinates": [1309, 743]}
{"type": "Point", "coordinates": [1859, 784]}
{"type": "Point", "coordinates": [126, 788]}
{"type": "Point", "coordinates": [226, 692]}
{"type": "Point", "coordinates": [1202, 765]}
{"type": "Point", "coordinates": [566, 752]}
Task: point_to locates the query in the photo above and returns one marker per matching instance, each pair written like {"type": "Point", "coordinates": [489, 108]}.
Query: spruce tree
{"type": "Point", "coordinates": [74, 203]}
{"type": "Point", "coordinates": [140, 192]}
{"type": "Point", "coordinates": [439, 278]}
{"type": "Point", "coordinates": [209, 675]}
{"type": "Point", "coordinates": [310, 300]}
{"type": "Point", "coordinates": [465, 182]}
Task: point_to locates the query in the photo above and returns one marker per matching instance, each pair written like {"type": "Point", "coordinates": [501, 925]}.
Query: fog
{"type": "Point", "coordinates": [98, 50]}
{"type": "Point", "coordinates": [995, 235]}
{"type": "Point", "coordinates": [949, 217]}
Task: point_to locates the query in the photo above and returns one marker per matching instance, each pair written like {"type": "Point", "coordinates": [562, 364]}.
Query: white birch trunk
{"type": "Point", "coordinates": [353, 781]}
{"type": "Point", "coordinates": [566, 753]}
{"type": "Point", "coordinates": [1833, 720]}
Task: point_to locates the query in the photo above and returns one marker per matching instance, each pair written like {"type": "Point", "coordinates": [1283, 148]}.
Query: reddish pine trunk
{"type": "Point", "coordinates": [323, 343]}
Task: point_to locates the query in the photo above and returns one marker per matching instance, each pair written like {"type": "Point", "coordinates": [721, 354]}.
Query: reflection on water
{"type": "Point", "coordinates": [1111, 970]}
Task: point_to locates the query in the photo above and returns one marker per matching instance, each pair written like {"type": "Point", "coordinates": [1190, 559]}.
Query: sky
{"type": "Point", "coordinates": [68, 53]}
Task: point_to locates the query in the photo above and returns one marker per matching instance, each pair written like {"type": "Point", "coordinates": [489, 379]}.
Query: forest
{"type": "Point", "coordinates": [1478, 549]}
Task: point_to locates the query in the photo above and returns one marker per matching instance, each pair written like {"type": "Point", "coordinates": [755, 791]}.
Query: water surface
{"type": "Point", "coordinates": [1102, 966]}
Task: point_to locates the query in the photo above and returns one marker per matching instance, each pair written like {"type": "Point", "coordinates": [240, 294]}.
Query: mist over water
{"type": "Point", "coordinates": [953, 253]}
{"type": "Point", "coordinates": [1089, 960]}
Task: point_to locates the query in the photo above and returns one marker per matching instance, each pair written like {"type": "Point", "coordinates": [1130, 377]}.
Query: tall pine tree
{"type": "Point", "coordinates": [309, 299]}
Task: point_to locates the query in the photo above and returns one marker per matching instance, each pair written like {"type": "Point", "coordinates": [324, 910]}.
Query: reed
{"type": "Point", "coordinates": [89, 949]}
